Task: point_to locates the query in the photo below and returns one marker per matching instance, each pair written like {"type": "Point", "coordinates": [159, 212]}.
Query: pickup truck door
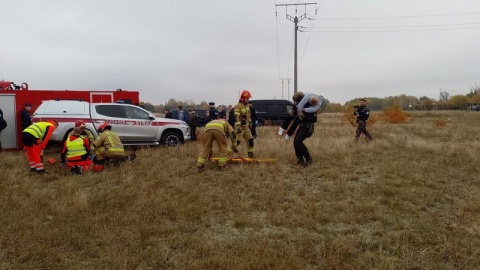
{"type": "Point", "coordinates": [139, 126]}
{"type": "Point", "coordinates": [112, 113]}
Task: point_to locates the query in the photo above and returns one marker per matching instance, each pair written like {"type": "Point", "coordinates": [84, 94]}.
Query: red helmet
{"type": "Point", "coordinates": [245, 95]}
{"type": "Point", "coordinates": [104, 126]}
{"type": "Point", "coordinates": [80, 123]}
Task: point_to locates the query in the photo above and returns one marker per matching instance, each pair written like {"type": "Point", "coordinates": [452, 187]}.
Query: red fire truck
{"type": "Point", "coordinates": [13, 98]}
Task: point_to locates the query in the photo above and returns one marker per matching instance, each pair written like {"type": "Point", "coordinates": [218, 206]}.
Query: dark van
{"type": "Point", "coordinates": [202, 116]}
{"type": "Point", "coordinates": [272, 111]}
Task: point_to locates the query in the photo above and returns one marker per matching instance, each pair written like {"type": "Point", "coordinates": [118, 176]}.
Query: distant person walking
{"type": "Point", "coordinates": [362, 112]}
{"type": "Point", "coordinates": [25, 116]}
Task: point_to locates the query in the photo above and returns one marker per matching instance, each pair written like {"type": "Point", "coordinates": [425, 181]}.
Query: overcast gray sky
{"type": "Point", "coordinates": [210, 50]}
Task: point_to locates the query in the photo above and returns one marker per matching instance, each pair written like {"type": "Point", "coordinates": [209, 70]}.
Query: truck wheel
{"type": "Point", "coordinates": [171, 139]}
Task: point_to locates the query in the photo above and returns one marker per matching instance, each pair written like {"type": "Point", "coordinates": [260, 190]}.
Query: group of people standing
{"type": "Point", "coordinates": [301, 121]}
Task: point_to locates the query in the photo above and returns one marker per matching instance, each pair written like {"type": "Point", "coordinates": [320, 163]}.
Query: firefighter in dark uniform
{"type": "Point", "coordinates": [25, 116]}
{"type": "Point", "coordinates": [243, 121]}
{"type": "Point", "coordinates": [212, 112]}
{"type": "Point", "coordinates": [217, 130]}
{"type": "Point", "coordinates": [362, 112]}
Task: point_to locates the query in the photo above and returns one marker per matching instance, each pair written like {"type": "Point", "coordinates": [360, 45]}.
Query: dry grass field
{"type": "Point", "coordinates": [408, 200]}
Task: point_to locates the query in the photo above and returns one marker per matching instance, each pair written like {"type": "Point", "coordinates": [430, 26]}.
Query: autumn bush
{"type": "Point", "coordinates": [395, 115]}
{"type": "Point", "coordinates": [440, 123]}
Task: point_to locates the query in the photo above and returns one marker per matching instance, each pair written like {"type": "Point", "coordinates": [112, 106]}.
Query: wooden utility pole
{"type": "Point", "coordinates": [296, 20]}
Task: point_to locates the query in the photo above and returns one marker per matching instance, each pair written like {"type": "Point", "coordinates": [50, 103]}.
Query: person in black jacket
{"type": "Point", "coordinates": [231, 115]}
{"type": "Point", "coordinates": [192, 123]}
{"type": "Point", "coordinates": [3, 125]}
{"type": "Point", "coordinates": [168, 113]}
{"type": "Point", "coordinates": [253, 115]}
{"type": "Point", "coordinates": [25, 116]}
{"type": "Point", "coordinates": [362, 113]}
{"type": "Point", "coordinates": [212, 112]}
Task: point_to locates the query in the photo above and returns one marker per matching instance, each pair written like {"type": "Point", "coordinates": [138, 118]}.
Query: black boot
{"type": "Point", "coordinates": [300, 160]}
{"type": "Point", "coordinates": [308, 161]}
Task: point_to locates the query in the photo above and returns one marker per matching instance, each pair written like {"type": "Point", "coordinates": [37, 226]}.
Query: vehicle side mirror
{"type": "Point", "coordinates": [151, 117]}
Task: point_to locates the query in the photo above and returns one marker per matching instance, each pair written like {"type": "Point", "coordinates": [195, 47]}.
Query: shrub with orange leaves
{"type": "Point", "coordinates": [395, 115]}
{"type": "Point", "coordinates": [440, 123]}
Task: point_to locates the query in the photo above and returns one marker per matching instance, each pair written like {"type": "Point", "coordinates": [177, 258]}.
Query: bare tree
{"type": "Point", "coordinates": [444, 96]}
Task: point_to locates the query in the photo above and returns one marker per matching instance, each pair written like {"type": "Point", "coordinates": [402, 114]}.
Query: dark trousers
{"type": "Point", "coordinates": [301, 150]}
{"type": "Point", "coordinates": [362, 128]}
{"type": "Point", "coordinates": [193, 134]}
{"type": "Point", "coordinates": [253, 130]}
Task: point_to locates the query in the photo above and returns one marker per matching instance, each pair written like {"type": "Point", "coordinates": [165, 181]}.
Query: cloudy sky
{"type": "Point", "coordinates": [212, 49]}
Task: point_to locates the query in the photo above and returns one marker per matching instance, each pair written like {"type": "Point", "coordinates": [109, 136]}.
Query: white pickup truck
{"type": "Point", "coordinates": [134, 125]}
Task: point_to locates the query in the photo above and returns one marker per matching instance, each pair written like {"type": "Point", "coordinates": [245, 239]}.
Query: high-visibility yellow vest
{"type": "Point", "coordinates": [38, 129]}
{"type": "Point", "coordinates": [75, 148]}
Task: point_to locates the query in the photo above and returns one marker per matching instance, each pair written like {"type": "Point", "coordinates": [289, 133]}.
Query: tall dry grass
{"type": "Point", "coordinates": [408, 200]}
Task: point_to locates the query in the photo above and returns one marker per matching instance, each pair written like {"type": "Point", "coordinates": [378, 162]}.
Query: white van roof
{"type": "Point", "coordinates": [64, 107]}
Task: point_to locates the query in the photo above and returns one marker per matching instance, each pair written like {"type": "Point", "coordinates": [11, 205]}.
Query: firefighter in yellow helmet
{"type": "Point", "coordinates": [217, 130]}
{"type": "Point", "coordinates": [107, 144]}
{"type": "Point", "coordinates": [243, 121]}
{"type": "Point", "coordinates": [35, 138]}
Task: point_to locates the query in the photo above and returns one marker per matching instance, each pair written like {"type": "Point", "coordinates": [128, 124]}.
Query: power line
{"type": "Point", "coordinates": [400, 26]}
{"type": "Point", "coordinates": [390, 31]}
{"type": "Point", "coordinates": [398, 17]}
{"type": "Point", "coordinates": [308, 38]}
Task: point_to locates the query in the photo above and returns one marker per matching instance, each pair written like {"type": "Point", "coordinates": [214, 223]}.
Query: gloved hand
{"type": "Point", "coordinates": [287, 137]}
{"type": "Point", "coordinates": [238, 129]}
{"type": "Point", "coordinates": [301, 115]}
{"type": "Point", "coordinates": [256, 122]}
{"type": "Point", "coordinates": [280, 131]}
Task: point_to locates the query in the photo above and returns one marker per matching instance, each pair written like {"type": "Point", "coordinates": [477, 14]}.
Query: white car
{"type": "Point", "coordinates": [134, 125]}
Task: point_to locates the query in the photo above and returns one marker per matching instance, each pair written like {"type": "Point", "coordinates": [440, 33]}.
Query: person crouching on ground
{"type": "Point", "coordinates": [76, 149]}
{"type": "Point", "coordinates": [219, 131]}
{"type": "Point", "coordinates": [35, 138]}
{"type": "Point", "coordinates": [108, 145]}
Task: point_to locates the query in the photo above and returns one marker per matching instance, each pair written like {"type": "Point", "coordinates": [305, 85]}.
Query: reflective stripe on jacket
{"type": "Point", "coordinates": [110, 141]}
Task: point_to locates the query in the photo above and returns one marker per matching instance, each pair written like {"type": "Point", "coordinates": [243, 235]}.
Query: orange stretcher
{"type": "Point", "coordinates": [246, 160]}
